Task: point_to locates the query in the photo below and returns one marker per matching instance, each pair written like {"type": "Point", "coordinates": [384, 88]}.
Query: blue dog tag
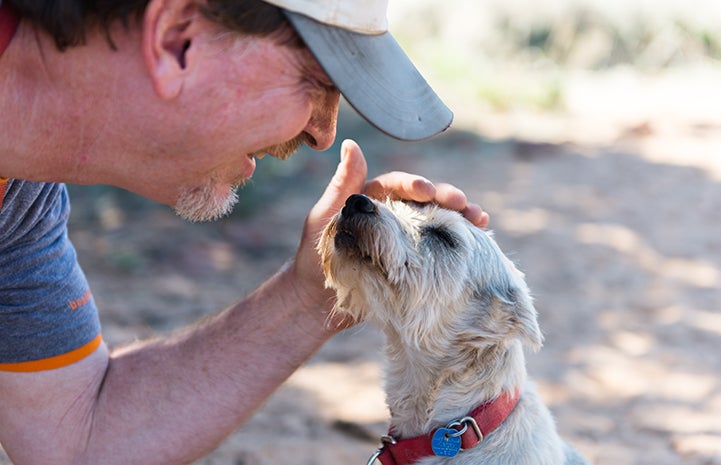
{"type": "Point", "coordinates": [444, 444]}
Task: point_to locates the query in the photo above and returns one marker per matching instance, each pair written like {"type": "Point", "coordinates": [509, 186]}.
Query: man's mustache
{"type": "Point", "coordinates": [284, 150]}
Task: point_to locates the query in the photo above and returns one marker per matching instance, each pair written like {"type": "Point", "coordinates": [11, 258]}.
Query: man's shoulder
{"type": "Point", "coordinates": [47, 311]}
{"type": "Point", "coordinates": [31, 209]}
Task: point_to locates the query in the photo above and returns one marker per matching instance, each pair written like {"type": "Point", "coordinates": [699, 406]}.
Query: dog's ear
{"type": "Point", "coordinates": [504, 305]}
{"type": "Point", "coordinates": [514, 307]}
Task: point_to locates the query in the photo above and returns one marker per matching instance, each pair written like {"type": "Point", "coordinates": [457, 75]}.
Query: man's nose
{"type": "Point", "coordinates": [322, 124]}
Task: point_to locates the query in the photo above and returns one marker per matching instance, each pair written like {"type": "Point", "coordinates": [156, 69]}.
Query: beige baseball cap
{"type": "Point", "coordinates": [350, 40]}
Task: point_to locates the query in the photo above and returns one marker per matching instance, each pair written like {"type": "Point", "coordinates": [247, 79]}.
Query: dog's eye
{"type": "Point", "coordinates": [442, 235]}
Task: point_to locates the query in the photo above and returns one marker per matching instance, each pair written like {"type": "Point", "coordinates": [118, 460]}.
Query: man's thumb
{"type": "Point", "coordinates": [349, 178]}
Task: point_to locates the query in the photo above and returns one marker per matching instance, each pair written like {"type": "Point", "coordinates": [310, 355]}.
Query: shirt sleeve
{"type": "Point", "coordinates": [48, 317]}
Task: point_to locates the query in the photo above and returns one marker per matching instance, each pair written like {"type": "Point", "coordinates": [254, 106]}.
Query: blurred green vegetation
{"type": "Point", "coordinates": [504, 54]}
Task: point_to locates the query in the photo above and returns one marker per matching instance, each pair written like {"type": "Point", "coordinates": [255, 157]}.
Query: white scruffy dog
{"type": "Point", "coordinates": [455, 312]}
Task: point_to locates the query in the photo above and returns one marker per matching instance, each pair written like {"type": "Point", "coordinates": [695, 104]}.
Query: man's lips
{"type": "Point", "coordinates": [249, 168]}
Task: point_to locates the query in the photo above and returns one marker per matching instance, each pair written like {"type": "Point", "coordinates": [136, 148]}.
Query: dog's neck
{"type": "Point", "coordinates": [427, 389]}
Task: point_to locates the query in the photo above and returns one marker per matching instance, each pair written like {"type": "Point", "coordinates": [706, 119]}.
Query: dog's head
{"type": "Point", "coordinates": [426, 273]}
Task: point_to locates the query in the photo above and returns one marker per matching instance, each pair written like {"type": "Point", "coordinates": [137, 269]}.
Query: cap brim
{"type": "Point", "coordinates": [377, 78]}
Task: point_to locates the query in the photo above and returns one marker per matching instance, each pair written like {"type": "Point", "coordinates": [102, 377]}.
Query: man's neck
{"type": "Point", "coordinates": [59, 108]}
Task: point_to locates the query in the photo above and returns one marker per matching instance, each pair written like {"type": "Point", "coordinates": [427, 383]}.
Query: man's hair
{"type": "Point", "coordinates": [68, 20]}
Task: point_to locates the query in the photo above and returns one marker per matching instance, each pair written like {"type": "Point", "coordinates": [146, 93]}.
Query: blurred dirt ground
{"type": "Point", "coordinates": [622, 252]}
{"type": "Point", "coordinates": [607, 194]}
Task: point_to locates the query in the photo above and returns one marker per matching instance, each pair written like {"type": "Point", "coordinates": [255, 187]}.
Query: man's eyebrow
{"type": "Point", "coordinates": [327, 84]}
{"type": "Point", "coordinates": [319, 76]}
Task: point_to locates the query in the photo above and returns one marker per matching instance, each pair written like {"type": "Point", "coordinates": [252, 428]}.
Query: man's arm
{"type": "Point", "coordinates": [166, 401]}
{"type": "Point", "coordinates": [172, 400]}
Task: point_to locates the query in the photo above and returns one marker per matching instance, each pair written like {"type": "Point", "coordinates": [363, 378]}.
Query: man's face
{"type": "Point", "coordinates": [259, 97]}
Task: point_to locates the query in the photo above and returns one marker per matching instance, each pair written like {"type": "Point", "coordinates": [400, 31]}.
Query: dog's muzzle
{"type": "Point", "coordinates": [354, 220]}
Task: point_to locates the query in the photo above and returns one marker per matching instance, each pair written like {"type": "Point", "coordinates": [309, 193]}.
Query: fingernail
{"type": "Point", "coordinates": [344, 150]}
{"type": "Point", "coordinates": [428, 184]}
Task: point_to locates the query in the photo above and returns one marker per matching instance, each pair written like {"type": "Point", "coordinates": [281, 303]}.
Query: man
{"type": "Point", "coordinates": [173, 100]}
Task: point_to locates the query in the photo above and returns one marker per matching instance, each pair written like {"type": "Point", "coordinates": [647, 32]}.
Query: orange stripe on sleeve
{"type": "Point", "coordinates": [52, 363]}
{"type": "Point", "coordinates": [3, 185]}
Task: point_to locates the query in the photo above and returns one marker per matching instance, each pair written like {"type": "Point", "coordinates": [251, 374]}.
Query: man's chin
{"type": "Point", "coordinates": [205, 203]}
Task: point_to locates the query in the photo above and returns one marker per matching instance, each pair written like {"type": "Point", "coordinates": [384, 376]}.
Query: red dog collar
{"type": "Point", "coordinates": [462, 434]}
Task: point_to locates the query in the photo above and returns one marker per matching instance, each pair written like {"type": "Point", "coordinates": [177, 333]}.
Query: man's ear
{"type": "Point", "coordinates": [169, 28]}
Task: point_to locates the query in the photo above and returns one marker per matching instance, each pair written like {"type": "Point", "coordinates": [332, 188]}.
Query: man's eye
{"type": "Point", "coordinates": [325, 84]}
{"type": "Point", "coordinates": [442, 235]}
{"type": "Point", "coordinates": [320, 81]}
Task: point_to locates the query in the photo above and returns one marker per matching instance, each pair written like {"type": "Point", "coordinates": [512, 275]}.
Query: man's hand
{"type": "Point", "coordinates": [350, 178]}
{"type": "Point", "coordinates": [405, 186]}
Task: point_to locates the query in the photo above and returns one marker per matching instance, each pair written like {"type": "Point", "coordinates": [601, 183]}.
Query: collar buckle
{"type": "Point", "coordinates": [468, 442]}
{"type": "Point", "coordinates": [385, 440]}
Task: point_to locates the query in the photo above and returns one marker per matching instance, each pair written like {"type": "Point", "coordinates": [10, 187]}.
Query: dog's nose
{"type": "Point", "coordinates": [358, 203]}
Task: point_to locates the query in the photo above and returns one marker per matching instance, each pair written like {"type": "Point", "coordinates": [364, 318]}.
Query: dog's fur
{"type": "Point", "coordinates": [455, 312]}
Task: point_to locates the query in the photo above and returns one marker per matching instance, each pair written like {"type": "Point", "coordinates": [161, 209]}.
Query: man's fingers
{"type": "Point", "coordinates": [399, 185]}
{"type": "Point", "coordinates": [475, 214]}
{"type": "Point", "coordinates": [404, 186]}
{"type": "Point", "coordinates": [455, 199]}
{"type": "Point", "coordinates": [450, 197]}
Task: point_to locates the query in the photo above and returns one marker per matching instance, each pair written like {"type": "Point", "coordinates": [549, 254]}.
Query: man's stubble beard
{"type": "Point", "coordinates": [203, 203]}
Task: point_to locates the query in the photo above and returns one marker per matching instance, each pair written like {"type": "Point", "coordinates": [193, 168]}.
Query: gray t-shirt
{"type": "Point", "coordinates": [48, 316]}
